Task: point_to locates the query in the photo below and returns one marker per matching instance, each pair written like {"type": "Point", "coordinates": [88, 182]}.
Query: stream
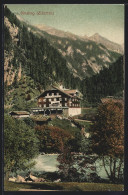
{"type": "Point", "coordinates": [49, 163]}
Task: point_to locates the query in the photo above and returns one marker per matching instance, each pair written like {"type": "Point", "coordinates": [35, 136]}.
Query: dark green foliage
{"type": "Point", "coordinates": [20, 145]}
{"type": "Point", "coordinates": [7, 39]}
{"type": "Point", "coordinates": [29, 122]}
{"type": "Point", "coordinates": [21, 95]}
{"type": "Point", "coordinates": [108, 82]}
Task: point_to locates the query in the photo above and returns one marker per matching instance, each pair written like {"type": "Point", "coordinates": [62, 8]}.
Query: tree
{"type": "Point", "coordinates": [20, 145]}
{"type": "Point", "coordinates": [107, 137]}
{"type": "Point", "coordinates": [75, 167]}
{"type": "Point", "coordinates": [52, 139]}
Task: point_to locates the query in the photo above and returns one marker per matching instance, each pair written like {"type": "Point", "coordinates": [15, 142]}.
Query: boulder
{"type": "Point", "coordinates": [20, 179]}
{"type": "Point", "coordinates": [58, 180]}
{"type": "Point", "coordinates": [12, 179]}
{"type": "Point", "coordinates": [86, 135]}
{"type": "Point", "coordinates": [32, 178]}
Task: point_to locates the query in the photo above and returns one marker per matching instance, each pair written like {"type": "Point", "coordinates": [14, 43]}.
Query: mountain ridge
{"type": "Point", "coordinates": [84, 57]}
{"type": "Point", "coordinates": [109, 44]}
{"type": "Point", "coordinates": [96, 37]}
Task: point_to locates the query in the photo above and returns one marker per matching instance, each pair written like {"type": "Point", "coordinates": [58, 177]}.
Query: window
{"type": "Point", "coordinates": [57, 99]}
{"type": "Point", "coordinates": [39, 100]}
{"type": "Point", "coordinates": [52, 99]}
{"type": "Point", "coordinates": [60, 99]}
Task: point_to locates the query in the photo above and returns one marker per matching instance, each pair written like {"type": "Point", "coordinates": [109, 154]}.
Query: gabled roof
{"type": "Point", "coordinates": [20, 112]}
{"type": "Point", "coordinates": [55, 88]}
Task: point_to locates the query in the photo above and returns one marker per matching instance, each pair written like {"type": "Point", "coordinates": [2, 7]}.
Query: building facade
{"type": "Point", "coordinates": [58, 101]}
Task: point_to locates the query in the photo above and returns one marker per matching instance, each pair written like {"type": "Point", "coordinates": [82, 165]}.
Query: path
{"type": "Point", "coordinates": [83, 120]}
{"type": "Point", "coordinates": [37, 190]}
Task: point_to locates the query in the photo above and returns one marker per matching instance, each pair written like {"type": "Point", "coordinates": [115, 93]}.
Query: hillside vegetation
{"type": "Point", "coordinates": [34, 57]}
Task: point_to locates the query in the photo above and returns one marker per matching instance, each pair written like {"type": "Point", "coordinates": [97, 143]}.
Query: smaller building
{"type": "Point", "coordinates": [19, 114]}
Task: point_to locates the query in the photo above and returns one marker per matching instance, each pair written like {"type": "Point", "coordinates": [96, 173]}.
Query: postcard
{"type": "Point", "coordinates": [64, 97]}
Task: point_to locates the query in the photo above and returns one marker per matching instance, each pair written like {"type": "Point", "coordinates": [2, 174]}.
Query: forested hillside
{"type": "Point", "coordinates": [40, 60]}
{"type": "Point", "coordinates": [84, 57]}
{"type": "Point", "coordinates": [32, 64]}
{"type": "Point", "coordinates": [109, 82]}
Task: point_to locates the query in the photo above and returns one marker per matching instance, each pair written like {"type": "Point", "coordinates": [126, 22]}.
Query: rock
{"type": "Point", "coordinates": [33, 178]}
{"type": "Point", "coordinates": [86, 135]}
{"type": "Point", "coordinates": [20, 179]}
{"type": "Point", "coordinates": [73, 125]}
{"type": "Point", "coordinates": [58, 180]}
{"type": "Point", "coordinates": [29, 181]}
{"type": "Point", "coordinates": [12, 179]}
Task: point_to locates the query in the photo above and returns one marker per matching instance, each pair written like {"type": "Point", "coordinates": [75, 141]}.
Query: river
{"type": "Point", "coordinates": [49, 163]}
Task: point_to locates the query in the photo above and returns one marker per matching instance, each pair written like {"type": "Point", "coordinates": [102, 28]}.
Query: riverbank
{"type": "Point", "coordinates": [62, 186]}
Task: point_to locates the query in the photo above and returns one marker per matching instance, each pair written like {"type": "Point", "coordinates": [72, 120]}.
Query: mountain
{"type": "Point", "coordinates": [34, 60]}
{"type": "Point", "coordinates": [108, 44]}
{"type": "Point", "coordinates": [59, 33]}
{"type": "Point", "coordinates": [96, 38]}
{"type": "Point", "coordinates": [84, 57]}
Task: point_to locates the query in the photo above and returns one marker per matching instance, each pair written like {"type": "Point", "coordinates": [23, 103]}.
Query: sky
{"type": "Point", "coordinates": [79, 19]}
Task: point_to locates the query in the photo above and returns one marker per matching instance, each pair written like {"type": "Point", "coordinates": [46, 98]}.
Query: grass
{"type": "Point", "coordinates": [65, 186]}
{"type": "Point", "coordinates": [64, 124]}
{"type": "Point", "coordinates": [88, 110]}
